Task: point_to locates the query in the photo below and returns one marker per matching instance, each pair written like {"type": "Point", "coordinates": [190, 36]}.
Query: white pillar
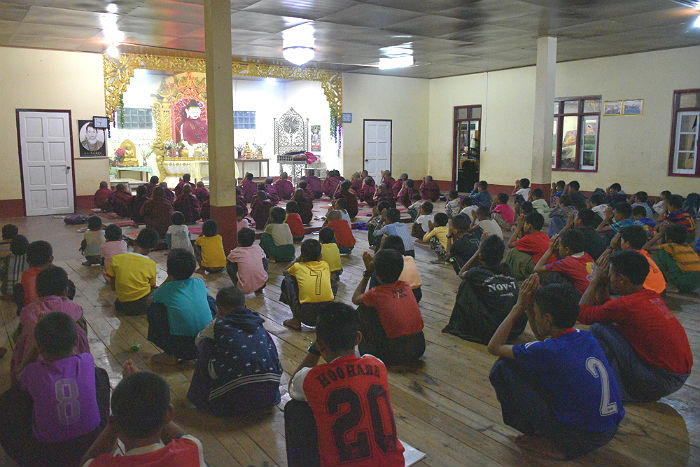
{"type": "Point", "coordinates": [541, 170]}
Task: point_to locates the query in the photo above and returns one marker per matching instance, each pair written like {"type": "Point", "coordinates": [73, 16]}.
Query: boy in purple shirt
{"type": "Point", "coordinates": [61, 402]}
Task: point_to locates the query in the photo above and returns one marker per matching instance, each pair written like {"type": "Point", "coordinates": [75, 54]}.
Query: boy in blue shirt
{"type": "Point", "coordinates": [394, 226]}
{"type": "Point", "coordinates": [559, 391]}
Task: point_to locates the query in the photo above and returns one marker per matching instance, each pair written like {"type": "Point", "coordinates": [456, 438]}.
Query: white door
{"type": "Point", "coordinates": [47, 162]}
{"type": "Point", "coordinates": [377, 147]}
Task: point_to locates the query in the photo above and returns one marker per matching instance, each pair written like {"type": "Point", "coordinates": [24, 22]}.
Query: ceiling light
{"type": "Point", "coordinates": [696, 24]}
{"type": "Point", "coordinates": [298, 44]}
{"type": "Point", "coordinates": [112, 8]}
{"type": "Point", "coordinates": [396, 56]}
{"type": "Point", "coordinates": [113, 51]}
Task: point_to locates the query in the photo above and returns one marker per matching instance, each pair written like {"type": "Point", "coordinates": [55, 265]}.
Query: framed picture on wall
{"type": "Point", "coordinates": [92, 140]}
{"type": "Point", "coordinates": [315, 137]}
{"type": "Point", "coordinates": [612, 108]}
{"type": "Point", "coordinates": [633, 107]}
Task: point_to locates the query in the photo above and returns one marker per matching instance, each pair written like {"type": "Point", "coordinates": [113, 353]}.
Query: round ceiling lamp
{"type": "Point", "coordinates": [298, 44]}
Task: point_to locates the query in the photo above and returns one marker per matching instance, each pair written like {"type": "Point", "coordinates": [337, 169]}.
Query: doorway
{"type": "Point", "coordinates": [466, 147]}
{"type": "Point", "coordinates": [376, 139]}
{"type": "Point", "coordinates": [46, 161]}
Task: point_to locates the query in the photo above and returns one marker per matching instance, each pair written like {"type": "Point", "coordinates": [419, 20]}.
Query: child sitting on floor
{"type": "Point", "coordinates": [241, 221]}
{"type": "Point", "coordinates": [201, 192]}
{"type": "Point", "coordinates": [641, 198]}
{"type": "Point", "coordinates": [540, 204]}
{"type": "Point", "coordinates": [307, 285]}
{"type": "Point", "coordinates": [574, 263]}
{"type": "Point", "coordinates": [119, 201]}
{"type": "Point", "coordinates": [342, 231]}
{"type": "Point", "coordinates": [502, 213]}
{"type": "Point", "coordinates": [390, 320]}
{"type": "Point", "coordinates": [405, 194]}
{"type": "Point", "coordinates": [136, 204]}
{"type": "Point", "coordinates": [246, 264]}
{"type": "Point", "coordinates": [277, 240]}
{"type": "Point", "coordinates": [366, 193]}
{"type": "Point", "coordinates": [485, 224]}
{"type": "Point", "coordinates": [521, 192]}
{"type": "Point", "coordinates": [249, 187]}
{"type": "Point", "coordinates": [586, 221]}
{"type": "Point", "coordinates": [284, 187]}
{"type": "Point", "coordinates": [461, 246]}
{"type": "Point", "coordinates": [559, 215]}
{"type": "Point", "coordinates": [421, 224]}
{"type": "Point", "coordinates": [330, 253]}
{"type": "Point", "coordinates": [633, 238]}
{"type": "Point", "coordinates": [238, 369]}
{"type": "Point", "coordinates": [180, 309]}
{"type": "Point", "coordinates": [414, 209]}
{"type": "Point", "coordinates": [340, 205]}
{"type": "Point", "coordinates": [452, 206]}
{"type": "Point", "coordinates": [661, 206]}
{"type": "Point", "coordinates": [527, 244]}
{"type": "Point", "coordinates": [438, 236]}
{"type": "Point", "coordinates": [293, 220]}
{"type": "Point", "coordinates": [142, 419]}
{"type": "Point", "coordinates": [307, 420]}
{"type": "Point", "coordinates": [39, 257]}
{"type": "Point", "coordinates": [113, 245]}
{"type": "Point", "coordinates": [487, 293]}
{"type": "Point", "coordinates": [93, 239]}
{"type": "Point", "coordinates": [409, 274]}
{"type": "Point", "coordinates": [557, 191]}
{"type": "Point", "coordinates": [133, 275]}
{"type": "Point", "coordinates": [553, 388]}
{"type": "Point", "coordinates": [676, 215]}
{"type": "Point", "coordinates": [102, 196]}
{"type": "Point", "coordinates": [394, 226]}
{"type": "Point", "coordinates": [271, 190]}
{"type": "Point", "coordinates": [376, 222]}
{"type": "Point", "coordinates": [13, 266]}
{"type": "Point", "coordinates": [676, 259]}
{"type": "Point", "coordinates": [306, 205]}
{"type": "Point", "coordinates": [178, 235]}
{"type": "Point", "coordinates": [383, 193]}
{"type": "Point", "coordinates": [188, 205]}
{"type": "Point", "coordinates": [639, 215]}
{"type": "Point", "coordinates": [616, 218]}
{"type": "Point", "coordinates": [61, 401]}
{"type": "Point", "coordinates": [597, 203]}
{"type": "Point", "coordinates": [260, 210]}
{"type": "Point", "coordinates": [209, 248]}
{"type": "Point", "coordinates": [344, 193]}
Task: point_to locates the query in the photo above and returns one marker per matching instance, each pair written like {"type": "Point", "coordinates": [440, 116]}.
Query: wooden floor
{"type": "Point", "coordinates": [445, 407]}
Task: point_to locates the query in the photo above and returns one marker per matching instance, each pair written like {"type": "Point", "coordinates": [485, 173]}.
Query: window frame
{"type": "Point", "coordinates": [246, 114]}
{"type": "Point", "coordinates": [676, 111]}
{"type": "Point", "coordinates": [580, 114]}
{"type": "Point", "coordinates": [134, 113]}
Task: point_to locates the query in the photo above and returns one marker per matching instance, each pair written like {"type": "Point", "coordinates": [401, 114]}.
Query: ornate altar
{"type": "Point", "coordinates": [291, 135]}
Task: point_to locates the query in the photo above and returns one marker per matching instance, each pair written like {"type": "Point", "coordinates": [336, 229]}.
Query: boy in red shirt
{"type": "Point", "coordinates": [343, 232]}
{"type": "Point", "coordinates": [575, 264]}
{"type": "Point", "coordinates": [39, 256]}
{"type": "Point", "coordinates": [293, 220]}
{"type": "Point", "coordinates": [528, 244]}
{"type": "Point", "coordinates": [644, 342]}
{"type": "Point", "coordinates": [390, 319]}
{"type": "Point", "coordinates": [340, 413]}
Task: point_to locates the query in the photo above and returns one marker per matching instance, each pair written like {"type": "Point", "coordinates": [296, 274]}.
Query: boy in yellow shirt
{"type": "Point", "coordinates": [134, 275]}
{"type": "Point", "coordinates": [307, 286]}
{"type": "Point", "coordinates": [209, 248]}
{"type": "Point", "coordinates": [438, 236]}
{"type": "Point", "coordinates": [330, 252]}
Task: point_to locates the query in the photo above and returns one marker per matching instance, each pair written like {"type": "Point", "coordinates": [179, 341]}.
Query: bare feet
{"type": "Point", "coordinates": [164, 359]}
{"type": "Point", "coordinates": [128, 368]}
{"type": "Point", "coordinates": [293, 323]}
{"type": "Point", "coordinates": [540, 446]}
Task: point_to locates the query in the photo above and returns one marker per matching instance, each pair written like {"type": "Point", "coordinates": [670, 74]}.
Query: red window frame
{"type": "Point", "coordinates": [672, 147]}
{"type": "Point", "coordinates": [559, 115]}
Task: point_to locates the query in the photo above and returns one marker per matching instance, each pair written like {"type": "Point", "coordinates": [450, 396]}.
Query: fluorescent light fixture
{"type": "Point", "coordinates": [112, 8]}
{"type": "Point", "coordinates": [396, 56]}
{"type": "Point", "coordinates": [298, 44]}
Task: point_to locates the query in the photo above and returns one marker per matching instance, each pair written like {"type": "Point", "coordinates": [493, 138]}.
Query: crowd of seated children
{"type": "Point", "coordinates": [429, 189]}
{"type": "Point", "coordinates": [182, 183]}
{"type": "Point", "coordinates": [527, 244]}
{"type": "Point", "coordinates": [421, 223]}
{"type": "Point", "coordinates": [179, 310]}
{"type": "Point", "coordinates": [661, 206]}
{"type": "Point", "coordinates": [678, 262]}
{"type": "Point", "coordinates": [331, 183]}
{"type": "Point", "coordinates": [178, 234]}
{"type": "Point", "coordinates": [13, 265]}
{"type": "Point", "coordinates": [586, 221]}
{"type": "Point", "coordinates": [633, 238]}
{"type": "Point", "coordinates": [40, 427]}
{"type": "Point", "coordinates": [188, 205]}
{"type": "Point", "coordinates": [573, 262]}
{"type": "Point", "coordinates": [390, 320]}
{"type": "Point", "coordinates": [394, 226]}
{"type": "Point", "coordinates": [342, 231]}
{"type": "Point", "coordinates": [307, 285]}
{"type": "Point", "coordinates": [552, 388]}
{"type": "Point", "coordinates": [350, 199]}
{"type": "Point", "coordinates": [398, 185]}
{"type": "Point", "coordinates": [453, 203]}
{"type": "Point", "coordinates": [676, 215]}
{"type": "Point", "coordinates": [407, 193]}
{"type": "Point", "coordinates": [101, 197]}
{"type": "Point", "coordinates": [645, 344]}
{"type": "Point", "coordinates": [540, 205]}
{"type": "Point", "coordinates": [437, 236]}
{"type": "Point", "coordinates": [461, 245]}
{"type": "Point", "coordinates": [269, 188]}
{"type": "Point", "coordinates": [305, 205]}
{"type": "Point", "coordinates": [238, 369]}
{"type": "Point", "coordinates": [157, 212]}
{"type": "Point", "coordinates": [260, 209]}
{"type": "Point", "coordinates": [502, 213]}
{"type": "Point", "coordinates": [277, 240]}
{"type": "Point", "coordinates": [247, 264]}
{"type": "Point", "coordinates": [559, 215]}
{"type": "Point", "coordinates": [142, 422]}
{"type": "Point", "coordinates": [293, 220]}
{"type": "Point", "coordinates": [314, 184]}
{"type": "Point", "coordinates": [119, 201]}
{"type": "Point", "coordinates": [52, 290]}
{"type": "Point", "coordinates": [307, 421]}
{"type": "Point", "coordinates": [486, 295]}
{"type": "Point", "coordinates": [249, 188]}
{"type": "Point", "coordinates": [93, 238]}
{"type": "Point", "coordinates": [113, 245]}
{"type": "Point", "coordinates": [484, 224]}
{"type": "Point", "coordinates": [284, 187]}
{"type": "Point", "coordinates": [330, 253]}
{"type": "Point", "coordinates": [201, 192]}
{"type": "Point", "coordinates": [366, 191]}
{"type": "Point", "coordinates": [133, 275]}
{"type": "Point", "coordinates": [136, 204]}
{"type": "Point", "coordinates": [209, 248]}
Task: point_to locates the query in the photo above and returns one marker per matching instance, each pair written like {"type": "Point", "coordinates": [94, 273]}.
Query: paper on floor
{"type": "Point", "coordinates": [411, 455]}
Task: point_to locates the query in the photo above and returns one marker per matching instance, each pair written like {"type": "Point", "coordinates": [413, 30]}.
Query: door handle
{"type": "Point", "coordinates": [68, 167]}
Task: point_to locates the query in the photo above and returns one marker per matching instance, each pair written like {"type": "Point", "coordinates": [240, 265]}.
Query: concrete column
{"type": "Point", "coordinates": [222, 182]}
{"type": "Point", "coordinates": [541, 170]}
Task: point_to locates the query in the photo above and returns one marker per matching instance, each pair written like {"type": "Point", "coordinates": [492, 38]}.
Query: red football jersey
{"type": "Point", "coordinates": [349, 398]}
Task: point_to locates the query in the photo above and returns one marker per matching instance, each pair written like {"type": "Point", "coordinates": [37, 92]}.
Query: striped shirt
{"type": "Point", "coordinates": [684, 256]}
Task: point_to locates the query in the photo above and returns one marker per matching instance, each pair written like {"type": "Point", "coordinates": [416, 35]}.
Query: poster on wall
{"type": "Point", "coordinates": [315, 137]}
{"type": "Point", "coordinates": [92, 140]}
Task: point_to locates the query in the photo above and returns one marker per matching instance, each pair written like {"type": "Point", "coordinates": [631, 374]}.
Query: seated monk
{"type": "Point", "coordinates": [102, 196]}
{"type": "Point", "coordinates": [188, 205]}
{"type": "Point", "coordinates": [306, 204]}
{"type": "Point", "coordinates": [119, 201]}
{"type": "Point", "coordinates": [157, 212]}
{"type": "Point", "coordinates": [284, 187]}
{"type": "Point", "coordinates": [429, 190]}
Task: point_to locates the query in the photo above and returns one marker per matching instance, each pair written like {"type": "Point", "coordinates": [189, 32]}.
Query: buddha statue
{"type": "Point", "coordinates": [130, 159]}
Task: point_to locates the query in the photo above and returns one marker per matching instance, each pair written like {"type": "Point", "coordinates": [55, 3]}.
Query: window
{"type": "Point", "coordinates": [243, 120]}
{"type": "Point", "coordinates": [575, 133]}
{"type": "Point", "coordinates": [684, 133]}
{"type": "Point", "coordinates": [136, 119]}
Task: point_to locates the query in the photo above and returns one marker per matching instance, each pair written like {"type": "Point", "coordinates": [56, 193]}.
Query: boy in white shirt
{"type": "Point", "coordinates": [484, 222]}
{"type": "Point", "coordinates": [522, 188]}
{"type": "Point", "coordinates": [421, 225]}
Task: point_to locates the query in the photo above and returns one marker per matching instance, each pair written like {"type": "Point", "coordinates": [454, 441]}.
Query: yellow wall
{"type": "Point", "coordinates": [39, 79]}
{"type": "Point", "coordinates": [633, 150]}
{"type": "Point", "coordinates": [404, 101]}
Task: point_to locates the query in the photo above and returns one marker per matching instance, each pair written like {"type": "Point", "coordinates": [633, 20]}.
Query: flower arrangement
{"type": "Point", "coordinates": [172, 148]}
{"type": "Point", "coordinates": [119, 156]}
{"type": "Point", "coordinates": [239, 149]}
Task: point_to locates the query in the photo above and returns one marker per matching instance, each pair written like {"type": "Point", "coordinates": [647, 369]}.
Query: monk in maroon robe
{"type": "Point", "coordinates": [201, 192]}
{"type": "Point", "coordinates": [388, 179]}
{"type": "Point", "coordinates": [188, 205]}
{"type": "Point", "coordinates": [306, 205]}
{"type": "Point", "coordinates": [168, 195]}
{"type": "Point", "coordinates": [205, 212]}
{"type": "Point", "coordinates": [356, 182]}
{"type": "Point", "coordinates": [314, 184]}
{"type": "Point", "coordinates": [102, 196]}
{"type": "Point", "coordinates": [260, 209]}
{"type": "Point", "coordinates": [406, 194]}
{"type": "Point", "coordinates": [152, 184]}
{"type": "Point", "coordinates": [271, 191]}
{"type": "Point", "coordinates": [157, 211]}
{"type": "Point", "coordinates": [136, 204]}
{"type": "Point", "coordinates": [240, 200]}
{"type": "Point", "coordinates": [383, 193]}
{"type": "Point", "coordinates": [345, 193]}
{"type": "Point", "coordinates": [330, 184]}
{"type": "Point", "coordinates": [367, 190]}
{"type": "Point", "coordinates": [284, 187]}
{"type": "Point", "coordinates": [398, 185]}
{"type": "Point", "coordinates": [429, 190]}
{"type": "Point", "coordinates": [249, 187]}
{"type": "Point", "coordinates": [185, 181]}
{"type": "Point", "coordinates": [119, 201]}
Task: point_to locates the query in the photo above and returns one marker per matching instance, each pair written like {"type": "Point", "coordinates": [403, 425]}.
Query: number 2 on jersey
{"type": "Point", "coordinates": [596, 368]}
